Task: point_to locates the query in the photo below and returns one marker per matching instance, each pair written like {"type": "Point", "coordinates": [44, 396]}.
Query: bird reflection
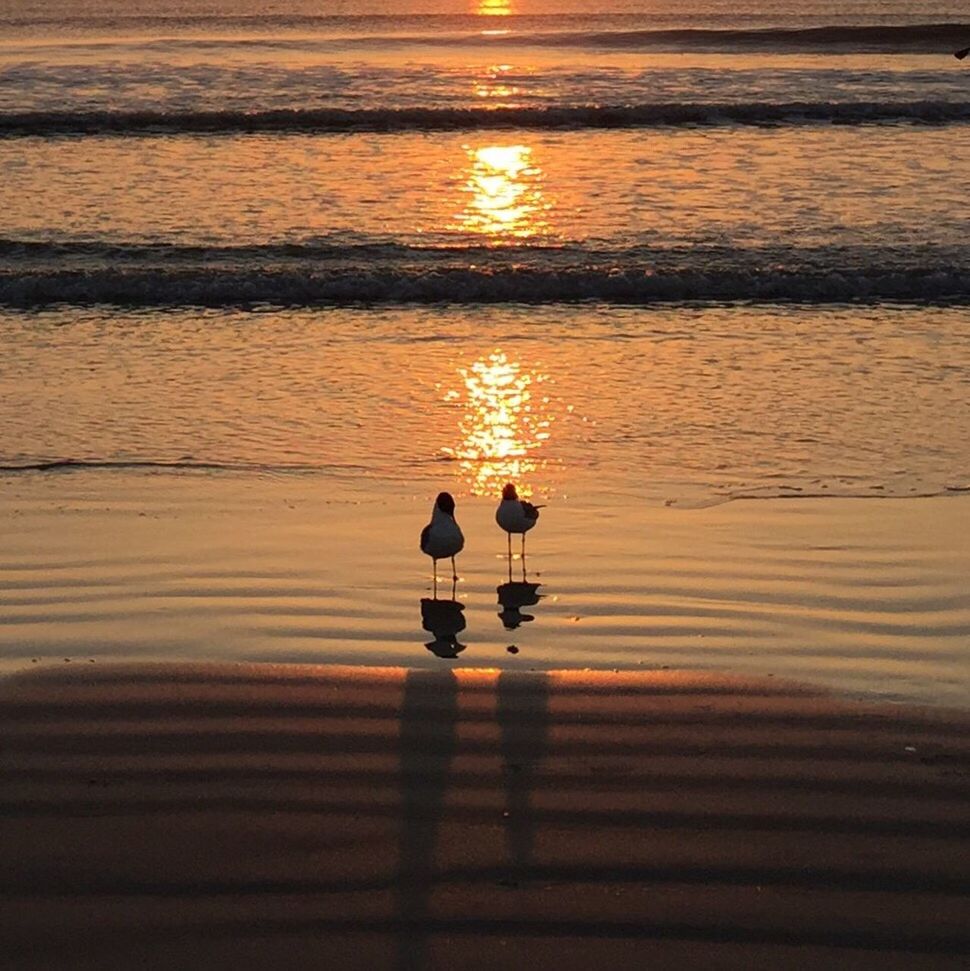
{"type": "Point", "coordinates": [512, 597]}
{"type": "Point", "coordinates": [445, 619]}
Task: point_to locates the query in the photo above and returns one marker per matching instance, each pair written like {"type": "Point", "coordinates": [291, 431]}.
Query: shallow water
{"type": "Point", "coordinates": [684, 405]}
{"type": "Point", "coordinates": [796, 188]}
{"type": "Point", "coordinates": [213, 486]}
{"type": "Point", "coordinates": [864, 596]}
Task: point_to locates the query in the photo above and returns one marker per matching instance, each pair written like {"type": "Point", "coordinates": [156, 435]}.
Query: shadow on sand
{"type": "Point", "coordinates": [523, 715]}
{"type": "Point", "coordinates": [429, 742]}
{"type": "Point", "coordinates": [429, 731]}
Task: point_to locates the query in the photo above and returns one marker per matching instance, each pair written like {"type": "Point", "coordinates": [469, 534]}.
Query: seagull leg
{"type": "Point", "coordinates": [454, 571]}
{"type": "Point", "coordinates": [510, 556]}
{"type": "Point", "coordinates": [435, 567]}
{"type": "Point", "coordinates": [523, 557]}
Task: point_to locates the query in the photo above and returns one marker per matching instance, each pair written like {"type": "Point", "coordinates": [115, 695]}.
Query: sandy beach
{"type": "Point", "coordinates": [311, 816]}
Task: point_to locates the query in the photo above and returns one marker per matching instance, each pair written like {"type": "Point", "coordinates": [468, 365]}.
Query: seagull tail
{"type": "Point", "coordinates": [960, 55]}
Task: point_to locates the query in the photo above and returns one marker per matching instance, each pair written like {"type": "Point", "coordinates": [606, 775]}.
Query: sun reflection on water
{"type": "Point", "coordinates": [494, 84]}
{"type": "Point", "coordinates": [504, 186]}
{"type": "Point", "coordinates": [493, 8]}
{"type": "Point", "coordinates": [506, 419]}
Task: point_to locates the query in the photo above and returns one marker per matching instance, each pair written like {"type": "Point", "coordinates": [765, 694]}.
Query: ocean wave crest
{"type": "Point", "coordinates": [603, 32]}
{"type": "Point", "coordinates": [322, 249]}
{"type": "Point", "coordinates": [384, 120]}
{"type": "Point", "coordinates": [362, 286]}
{"type": "Point", "coordinates": [901, 38]}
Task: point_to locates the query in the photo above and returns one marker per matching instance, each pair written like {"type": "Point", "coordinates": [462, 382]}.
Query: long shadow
{"type": "Point", "coordinates": [523, 715]}
{"type": "Point", "coordinates": [429, 728]}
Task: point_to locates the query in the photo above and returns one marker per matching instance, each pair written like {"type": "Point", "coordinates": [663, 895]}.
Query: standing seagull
{"type": "Point", "coordinates": [442, 537]}
{"type": "Point", "coordinates": [515, 515]}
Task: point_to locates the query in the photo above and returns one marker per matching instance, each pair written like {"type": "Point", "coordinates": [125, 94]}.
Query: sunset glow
{"type": "Point", "coordinates": [505, 421]}
{"type": "Point", "coordinates": [504, 189]}
{"type": "Point", "coordinates": [494, 8]}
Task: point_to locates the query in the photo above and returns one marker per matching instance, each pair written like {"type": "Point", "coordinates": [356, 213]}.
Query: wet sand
{"type": "Point", "coordinates": [866, 596]}
{"type": "Point", "coordinates": [163, 816]}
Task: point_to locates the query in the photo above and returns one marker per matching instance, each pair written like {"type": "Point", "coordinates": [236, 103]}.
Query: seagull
{"type": "Point", "coordinates": [442, 537]}
{"type": "Point", "coordinates": [515, 515]}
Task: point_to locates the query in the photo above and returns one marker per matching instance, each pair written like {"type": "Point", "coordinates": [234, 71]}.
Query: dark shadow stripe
{"type": "Point", "coordinates": [838, 879]}
{"type": "Point", "coordinates": [517, 699]}
{"type": "Point", "coordinates": [826, 936]}
{"type": "Point", "coordinates": [429, 719]}
{"type": "Point", "coordinates": [616, 819]}
{"type": "Point", "coordinates": [591, 780]}
{"type": "Point", "coordinates": [159, 741]}
{"type": "Point", "coordinates": [522, 711]}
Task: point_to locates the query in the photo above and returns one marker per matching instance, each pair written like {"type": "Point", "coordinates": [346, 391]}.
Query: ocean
{"type": "Point", "coordinates": [696, 276]}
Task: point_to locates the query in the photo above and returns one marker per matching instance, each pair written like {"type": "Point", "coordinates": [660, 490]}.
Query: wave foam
{"type": "Point", "coordinates": [384, 120]}
{"type": "Point", "coordinates": [216, 287]}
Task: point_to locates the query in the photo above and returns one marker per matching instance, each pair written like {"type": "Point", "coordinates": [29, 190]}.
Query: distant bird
{"type": "Point", "coordinates": [515, 515]}
{"type": "Point", "coordinates": [442, 537]}
{"type": "Point", "coordinates": [960, 55]}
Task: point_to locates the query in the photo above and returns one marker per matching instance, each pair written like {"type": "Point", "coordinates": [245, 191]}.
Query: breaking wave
{"type": "Point", "coordinates": [909, 38]}
{"type": "Point", "coordinates": [619, 32]}
{"type": "Point", "coordinates": [362, 286]}
{"type": "Point", "coordinates": [380, 120]}
{"type": "Point", "coordinates": [326, 248]}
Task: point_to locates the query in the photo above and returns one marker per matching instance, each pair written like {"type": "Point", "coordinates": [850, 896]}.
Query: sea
{"type": "Point", "coordinates": [694, 275]}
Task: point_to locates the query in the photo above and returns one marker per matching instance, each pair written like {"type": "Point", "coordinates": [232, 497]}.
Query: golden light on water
{"type": "Point", "coordinates": [504, 189]}
{"type": "Point", "coordinates": [494, 85]}
{"type": "Point", "coordinates": [506, 419]}
{"type": "Point", "coordinates": [494, 8]}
